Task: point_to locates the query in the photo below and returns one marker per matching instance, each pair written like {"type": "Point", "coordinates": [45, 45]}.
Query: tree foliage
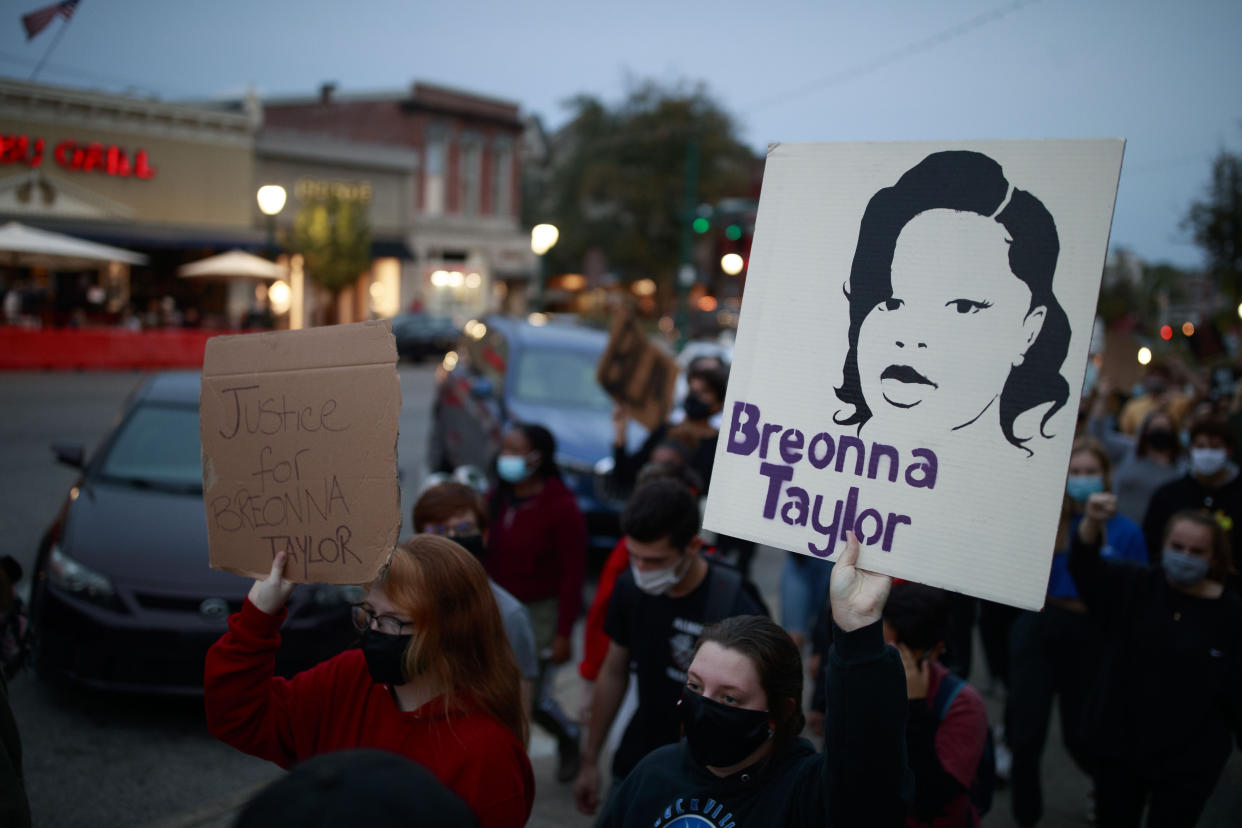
{"type": "Point", "coordinates": [1215, 222]}
{"type": "Point", "coordinates": [334, 238]}
{"type": "Point", "coordinates": [615, 177]}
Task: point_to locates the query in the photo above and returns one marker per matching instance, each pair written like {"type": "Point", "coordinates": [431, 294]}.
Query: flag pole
{"type": "Point", "coordinates": [50, 47]}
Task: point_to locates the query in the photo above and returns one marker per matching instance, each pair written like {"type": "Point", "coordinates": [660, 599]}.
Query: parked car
{"type": "Point", "coordinates": [421, 335]}
{"type": "Point", "coordinates": [123, 598]}
{"type": "Point", "coordinates": [507, 370]}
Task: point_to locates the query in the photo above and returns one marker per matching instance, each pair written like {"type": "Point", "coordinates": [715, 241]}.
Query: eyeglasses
{"type": "Point", "coordinates": [460, 529]}
{"type": "Point", "coordinates": [365, 618]}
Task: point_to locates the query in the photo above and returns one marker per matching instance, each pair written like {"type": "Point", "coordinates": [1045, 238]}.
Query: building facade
{"type": "Point", "coordinates": [470, 253]}
{"type": "Point", "coordinates": [173, 182]}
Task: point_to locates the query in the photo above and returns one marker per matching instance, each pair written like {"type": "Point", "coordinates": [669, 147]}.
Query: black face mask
{"type": "Point", "coordinates": [719, 735]}
{"type": "Point", "coordinates": [385, 654]}
{"type": "Point", "coordinates": [471, 543]}
{"type": "Point", "coordinates": [1161, 440]}
{"type": "Point", "coordinates": [695, 408]}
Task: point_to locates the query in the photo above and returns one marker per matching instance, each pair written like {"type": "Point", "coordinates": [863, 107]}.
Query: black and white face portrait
{"type": "Point", "coordinates": [943, 314]}
{"type": "Point", "coordinates": [953, 322]}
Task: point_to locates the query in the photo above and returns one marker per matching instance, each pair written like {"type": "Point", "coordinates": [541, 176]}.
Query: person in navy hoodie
{"type": "Point", "coordinates": [1166, 708]}
{"type": "Point", "coordinates": [742, 763]}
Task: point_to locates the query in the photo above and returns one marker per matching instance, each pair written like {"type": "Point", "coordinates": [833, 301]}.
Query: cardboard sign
{"type": "Point", "coordinates": [910, 355]}
{"type": "Point", "coordinates": [299, 432]}
{"type": "Point", "coordinates": [636, 372]}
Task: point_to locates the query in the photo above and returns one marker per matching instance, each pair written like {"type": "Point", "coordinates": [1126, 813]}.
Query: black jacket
{"type": "Point", "coordinates": [1168, 692]}
{"type": "Point", "coordinates": [861, 778]}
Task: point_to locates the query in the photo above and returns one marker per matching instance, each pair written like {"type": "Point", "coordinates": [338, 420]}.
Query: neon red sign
{"type": "Point", "coordinates": [108, 159]}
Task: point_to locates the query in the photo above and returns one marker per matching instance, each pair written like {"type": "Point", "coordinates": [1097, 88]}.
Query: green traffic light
{"type": "Point", "coordinates": [733, 232]}
{"type": "Point", "coordinates": [701, 225]}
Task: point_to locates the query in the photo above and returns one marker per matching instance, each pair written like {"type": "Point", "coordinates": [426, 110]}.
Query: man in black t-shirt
{"type": "Point", "coordinates": [655, 614]}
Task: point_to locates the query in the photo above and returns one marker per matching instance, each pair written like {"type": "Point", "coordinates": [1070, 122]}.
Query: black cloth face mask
{"type": "Point", "coordinates": [720, 735]}
{"type": "Point", "coordinates": [695, 408]}
{"type": "Point", "coordinates": [385, 655]}
{"type": "Point", "coordinates": [471, 543]}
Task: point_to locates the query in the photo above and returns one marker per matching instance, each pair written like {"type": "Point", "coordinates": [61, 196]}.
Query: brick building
{"type": "Point", "coordinates": [470, 253]}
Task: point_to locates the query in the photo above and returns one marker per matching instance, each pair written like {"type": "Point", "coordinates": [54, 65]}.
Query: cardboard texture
{"type": "Point", "coordinates": [911, 352]}
{"type": "Point", "coordinates": [299, 433]}
{"type": "Point", "coordinates": [636, 372]}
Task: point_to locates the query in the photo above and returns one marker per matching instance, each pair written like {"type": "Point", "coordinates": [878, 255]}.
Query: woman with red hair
{"type": "Point", "coordinates": [434, 681]}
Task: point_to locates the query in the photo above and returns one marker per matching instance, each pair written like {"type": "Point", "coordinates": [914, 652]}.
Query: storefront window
{"type": "Point", "coordinates": [471, 172]}
{"type": "Point", "coordinates": [433, 174]}
{"type": "Point", "coordinates": [502, 177]}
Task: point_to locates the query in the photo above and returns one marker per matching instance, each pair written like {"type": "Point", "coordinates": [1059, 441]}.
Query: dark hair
{"type": "Point", "coordinates": [672, 471]}
{"type": "Point", "coordinates": [1143, 444]}
{"type": "Point", "coordinates": [1212, 427]}
{"type": "Point", "coordinates": [716, 378]}
{"type": "Point", "coordinates": [661, 508]}
{"type": "Point", "coordinates": [542, 441]}
{"type": "Point", "coordinates": [965, 182]}
{"type": "Point", "coordinates": [777, 661]}
{"type": "Point", "coordinates": [1222, 555]}
{"type": "Point", "coordinates": [443, 500]}
{"type": "Point", "coordinates": [356, 787]}
{"type": "Point", "coordinates": [918, 614]}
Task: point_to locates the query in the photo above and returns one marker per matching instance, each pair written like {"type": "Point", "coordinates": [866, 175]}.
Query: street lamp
{"type": "Point", "coordinates": [271, 198]}
{"type": "Point", "coordinates": [542, 239]}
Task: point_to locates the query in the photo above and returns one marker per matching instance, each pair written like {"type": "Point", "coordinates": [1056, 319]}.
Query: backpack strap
{"type": "Point", "coordinates": [722, 592]}
{"type": "Point", "coordinates": [950, 686]}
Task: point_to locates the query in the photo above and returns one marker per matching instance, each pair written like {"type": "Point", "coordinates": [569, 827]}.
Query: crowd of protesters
{"type": "Point", "coordinates": [1139, 644]}
{"type": "Point", "coordinates": [427, 722]}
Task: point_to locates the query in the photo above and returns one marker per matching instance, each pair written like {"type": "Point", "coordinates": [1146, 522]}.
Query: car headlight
{"type": "Point", "coordinates": [73, 577]}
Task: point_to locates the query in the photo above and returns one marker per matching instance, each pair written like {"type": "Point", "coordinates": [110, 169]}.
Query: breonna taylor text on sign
{"type": "Point", "coordinates": [299, 432]}
{"type": "Point", "coordinates": [910, 355]}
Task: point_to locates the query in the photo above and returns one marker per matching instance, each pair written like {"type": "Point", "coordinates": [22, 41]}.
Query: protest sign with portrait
{"type": "Point", "coordinates": [299, 433]}
{"type": "Point", "coordinates": [910, 355]}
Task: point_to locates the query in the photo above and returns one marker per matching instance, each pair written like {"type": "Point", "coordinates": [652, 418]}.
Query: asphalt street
{"type": "Point", "coordinates": [105, 760]}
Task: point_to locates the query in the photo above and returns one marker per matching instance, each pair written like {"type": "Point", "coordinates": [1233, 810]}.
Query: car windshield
{"type": "Point", "coordinates": [158, 445]}
{"type": "Point", "coordinates": [563, 378]}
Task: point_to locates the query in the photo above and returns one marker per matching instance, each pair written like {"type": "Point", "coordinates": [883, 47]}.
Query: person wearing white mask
{"type": "Point", "coordinates": [657, 610]}
{"type": "Point", "coordinates": [1211, 484]}
{"type": "Point", "coordinates": [1165, 709]}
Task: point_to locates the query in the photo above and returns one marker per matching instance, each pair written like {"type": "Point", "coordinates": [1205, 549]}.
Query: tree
{"type": "Point", "coordinates": [1216, 224]}
{"type": "Point", "coordinates": [334, 238]}
{"type": "Point", "coordinates": [615, 178]}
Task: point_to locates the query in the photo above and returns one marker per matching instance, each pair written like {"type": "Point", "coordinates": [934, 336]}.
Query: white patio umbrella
{"type": "Point", "coordinates": [24, 246]}
{"type": "Point", "coordinates": [235, 264]}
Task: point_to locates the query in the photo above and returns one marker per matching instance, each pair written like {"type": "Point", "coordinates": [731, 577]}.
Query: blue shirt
{"type": "Point", "coordinates": [1123, 541]}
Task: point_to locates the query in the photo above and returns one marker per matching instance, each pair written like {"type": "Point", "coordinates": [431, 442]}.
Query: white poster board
{"type": "Point", "coordinates": [910, 354]}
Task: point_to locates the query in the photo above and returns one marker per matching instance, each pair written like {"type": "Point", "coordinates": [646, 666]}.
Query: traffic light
{"type": "Point", "coordinates": [701, 225]}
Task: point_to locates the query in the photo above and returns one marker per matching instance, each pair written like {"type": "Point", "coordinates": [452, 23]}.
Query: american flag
{"type": "Point", "coordinates": [37, 21]}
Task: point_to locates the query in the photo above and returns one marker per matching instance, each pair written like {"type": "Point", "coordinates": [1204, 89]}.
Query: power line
{"type": "Point", "coordinates": [908, 50]}
{"type": "Point", "coordinates": [127, 84]}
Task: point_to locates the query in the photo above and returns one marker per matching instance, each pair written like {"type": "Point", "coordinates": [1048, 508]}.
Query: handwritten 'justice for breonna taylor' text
{"type": "Point", "coordinates": [843, 454]}
{"type": "Point", "coordinates": [284, 500]}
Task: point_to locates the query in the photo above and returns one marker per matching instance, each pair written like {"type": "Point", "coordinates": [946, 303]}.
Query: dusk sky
{"type": "Point", "coordinates": [1163, 75]}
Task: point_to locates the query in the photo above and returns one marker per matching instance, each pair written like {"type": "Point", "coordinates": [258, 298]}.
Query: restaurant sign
{"type": "Point", "coordinates": [76, 156]}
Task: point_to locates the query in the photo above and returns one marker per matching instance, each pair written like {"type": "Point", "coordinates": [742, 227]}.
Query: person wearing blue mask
{"type": "Point", "coordinates": [536, 549]}
{"type": "Point", "coordinates": [1166, 705]}
{"type": "Point", "coordinates": [1211, 483]}
{"type": "Point", "coordinates": [1052, 652]}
